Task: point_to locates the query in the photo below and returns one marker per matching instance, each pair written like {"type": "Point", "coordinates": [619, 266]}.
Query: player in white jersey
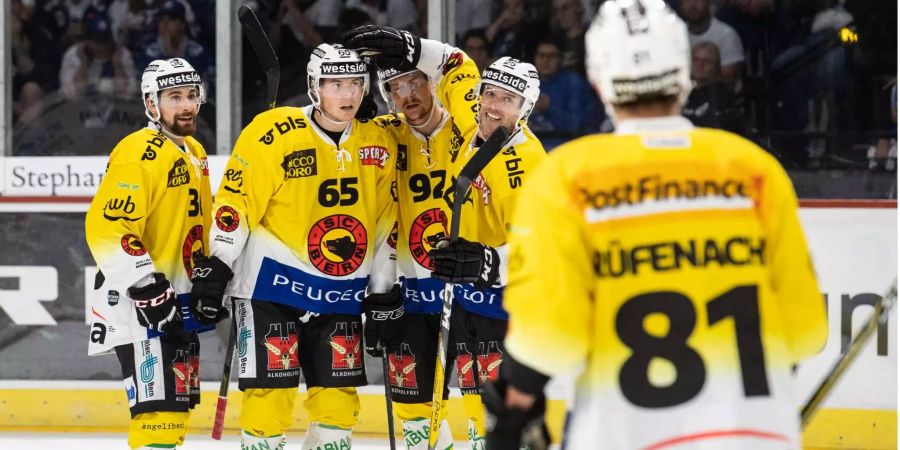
{"type": "Point", "coordinates": [664, 264]}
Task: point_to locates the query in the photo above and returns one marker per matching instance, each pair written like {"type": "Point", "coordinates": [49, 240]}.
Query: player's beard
{"type": "Point", "coordinates": [179, 128]}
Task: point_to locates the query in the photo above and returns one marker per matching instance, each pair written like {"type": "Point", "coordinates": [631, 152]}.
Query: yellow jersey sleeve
{"type": "Point", "coordinates": [545, 237]}
{"type": "Point", "coordinates": [249, 182]}
{"type": "Point", "coordinates": [455, 76]}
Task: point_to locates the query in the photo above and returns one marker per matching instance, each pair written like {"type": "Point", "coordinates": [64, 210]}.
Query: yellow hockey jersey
{"type": "Point", "coordinates": [150, 214]}
{"type": "Point", "coordinates": [425, 170]}
{"type": "Point", "coordinates": [488, 211]}
{"type": "Point", "coordinates": [303, 221]}
{"type": "Point", "coordinates": [668, 264]}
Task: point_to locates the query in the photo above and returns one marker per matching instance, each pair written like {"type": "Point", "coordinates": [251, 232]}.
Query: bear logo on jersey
{"type": "Point", "coordinates": [282, 349]}
{"type": "Point", "coordinates": [132, 245]}
{"type": "Point", "coordinates": [346, 346]}
{"type": "Point", "coordinates": [402, 367]}
{"type": "Point", "coordinates": [426, 231]}
{"type": "Point", "coordinates": [193, 245]}
{"type": "Point", "coordinates": [337, 245]}
{"type": "Point", "coordinates": [227, 219]}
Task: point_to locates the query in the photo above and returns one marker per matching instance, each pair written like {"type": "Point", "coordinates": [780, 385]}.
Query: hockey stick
{"type": "Point", "coordinates": [469, 172]}
{"type": "Point", "coordinates": [266, 54]}
{"type": "Point", "coordinates": [879, 317]}
{"type": "Point", "coordinates": [388, 398]}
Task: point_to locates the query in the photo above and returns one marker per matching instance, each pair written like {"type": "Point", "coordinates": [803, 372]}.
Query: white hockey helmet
{"type": "Point", "coordinates": [333, 61]}
{"type": "Point", "coordinates": [384, 87]}
{"type": "Point", "coordinates": [515, 76]}
{"type": "Point", "coordinates": [162, 74]}
{"type": "Point", "coordinates": [638, 49]}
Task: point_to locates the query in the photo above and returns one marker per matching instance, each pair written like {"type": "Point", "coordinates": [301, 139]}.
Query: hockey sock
{"type": "Point", "coordinates": [251, 442]}
{"type": "Point", "coordinates": [416, 433]}
{"type": "Point", "coordinates": [326, 437]}
{"type": "Point", "coordinates": [157, 429]}
{"type": "Point", "coordinates": [475, 413]}
{"type": "Point", "coordinates": [267, 412]}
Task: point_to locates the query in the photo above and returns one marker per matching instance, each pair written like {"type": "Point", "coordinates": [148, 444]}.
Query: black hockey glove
{"type": "Point", "coordinates": [390, 48]}
{"type": "Point", "coordinates": [156, 305]}
{"type": "Point", "coordinates": [514, 428]}
{"type": "Point", "coordinates": [383, 313]}
{"type": "Point", "coordinates": [466, 262]}
{"type": "Point", "coordinates": [368, 109]}
{"type": "Point", "coordinates": [209, 278]}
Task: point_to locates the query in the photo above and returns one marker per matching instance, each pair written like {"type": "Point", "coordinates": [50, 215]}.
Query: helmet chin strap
{"type": "Point", "coordinates": [324, 115]}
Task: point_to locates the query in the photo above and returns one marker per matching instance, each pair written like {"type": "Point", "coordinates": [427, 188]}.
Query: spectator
{"type": "Point", "coordinates": [172, 40]}
{"type": "Point", "coordinates": [35, 61]}
{"type": "Point", "coordinates": [712, 103]}
{"type": "Point", "coordinates": [703, 27]}
{"type": "Point", "coordinates": [568, 28]}
{"type": "Point", "coordinates": [509, 32]}
{"type": "Point", "coordinates": [325, 16]}
{"type": "Point", "coordinates": [472, 15]}
{"type": "Point", "coordinates": [476, 44]}
{"type": "Point", "coordinates": [567, 103]}
{"type": "Point", "coordinates": [96, 65]}
{"type": "Point", "coordinates": [294, 34]}
{"type": "Point", "coordinates": [400, 14]}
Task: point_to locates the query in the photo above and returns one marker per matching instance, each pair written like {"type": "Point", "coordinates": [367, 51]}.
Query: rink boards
{"type": "Point", "coordinates": [853, 244]}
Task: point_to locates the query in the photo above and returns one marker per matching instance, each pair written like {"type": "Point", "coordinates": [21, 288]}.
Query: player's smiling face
{"type": "Point", "coordinates": [498, 107]}
{"type": "Point", "coordinates": [341, 97]}
{"type": "Point", "coordinates": [178, 109]}
{"type": "Point", "coordinates": [412, 96]}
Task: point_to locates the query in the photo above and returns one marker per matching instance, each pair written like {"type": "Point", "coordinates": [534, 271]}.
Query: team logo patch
{"type": "Point", "coordinates": [299, 164]}
{"type": "Point", "coordinates": [181, 367]}
{"type": "Point", "coordinates": [346, 347]}
{"type": "Point", "coordinates": [402, 367]}
{"type": "Point", "coordinates": [464, 367]}
{"type": "Point", "coordinates": [426, 231]}
{"type": "Point", "coordinates": [454, 60]}
{"type": "Point", "coordinates": [227, 219]}
{"type": "Point", "coordinates": [402, 158]}
{"type": "Point", "coordinates": [282, 347]}
{"type": "Point", "coordinates": [133, 246]}
{"type": "Point", "coordinates": [179, 174]}
{"type": "Point", "coordinates": [489, 361]}
{"type": "Point", "coordinates": [204, 165]}
{"type": "Point", "coordinates": [337, 245]}
{"type": "Point", "coordinates": [373, 155]}
{"type": "Point", "coordinates": [193, 245]}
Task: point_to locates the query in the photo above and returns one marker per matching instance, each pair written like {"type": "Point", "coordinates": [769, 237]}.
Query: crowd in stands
{"type": "Point", "coordinates": [810, 80]}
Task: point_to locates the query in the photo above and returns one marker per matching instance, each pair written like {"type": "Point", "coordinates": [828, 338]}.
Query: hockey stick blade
{"type": "Point", "coordinates": [470, 171]}
{"type": "Point", "coordinates": [264, 52]}
{"type": "Point", "coordinates": [879, 316]}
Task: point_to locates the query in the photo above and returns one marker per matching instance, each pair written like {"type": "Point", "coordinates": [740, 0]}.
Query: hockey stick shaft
{"type": "Point", "coordinates": [266, 55]}
{"type": "Point", "coordinates": [388, 398]}
{"type": "Point", "coordinates": [468, 173]}
{"type": "Point", "coordinates": [879, 316]}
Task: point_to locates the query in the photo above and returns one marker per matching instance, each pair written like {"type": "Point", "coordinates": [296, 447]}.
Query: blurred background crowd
{"type": "Point", "coordinates": [812, 81]}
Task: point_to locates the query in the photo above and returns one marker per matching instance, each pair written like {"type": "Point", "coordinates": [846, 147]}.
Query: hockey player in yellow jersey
{"type": "Point", "coordinates": [303, 217]}
{"type": "Point", "coordinates": [432, 98]}
{"type": "Point", "coordinates": [476, 263]}
{"type": "Point", "coordinates": [145, 227]}
{"type": "Point", "coordinates": [665, 264]}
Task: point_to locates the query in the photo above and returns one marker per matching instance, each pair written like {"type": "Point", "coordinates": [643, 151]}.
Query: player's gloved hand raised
{"type": "Point", "coordinates": [513, 428]}
{"type": "Point", "coordinates": [465, 262]}
{"type": "Point", "coordinates": [209, 277]}
{"type": "Point", "coordinates": [156, 305]}
{"type": "Point", "coordinates": [390, 48]}
{"type": "Point", "coordinates": [383, 313]}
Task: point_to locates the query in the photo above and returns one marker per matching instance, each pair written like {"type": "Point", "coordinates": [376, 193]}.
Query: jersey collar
{"type": "Point", "coordinates": [654, 124]}
{"type": "Point", "coordinates": [308, 110]}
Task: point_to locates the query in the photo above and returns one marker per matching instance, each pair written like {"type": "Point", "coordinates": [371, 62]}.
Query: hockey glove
{"type": "Point", "coordinates": [383, 313]}
{"type": "Point", "coordinates": [156, 305]}
{"type": "Point", "coordinates": [389, 47]}
{"type": "Point", "coordinates": [209, 278]}
{"type": "Point", "coordinates": [368, 109]}
{"type": "Point", "coordinates": [510, 428]}
{"type": "Point", "coordinates": [466, 262]}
